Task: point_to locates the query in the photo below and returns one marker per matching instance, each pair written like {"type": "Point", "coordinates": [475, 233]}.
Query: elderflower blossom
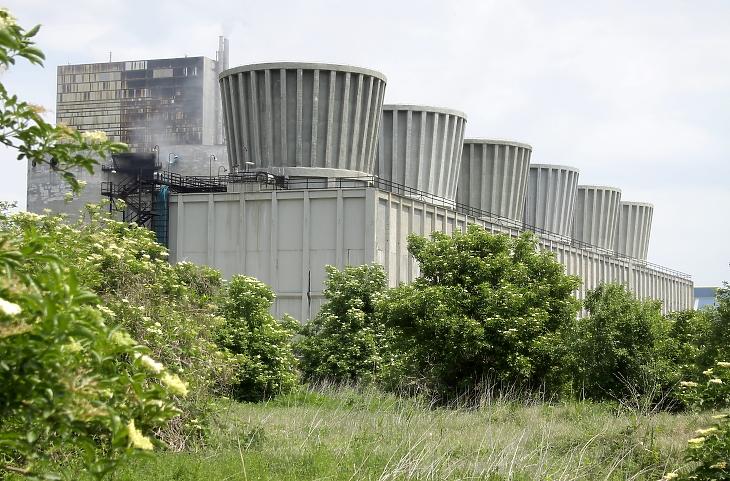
{"type": "Point", "coordinates": [150, 364]}
{"type": "Point", "coordinates": [137, 439]}
{"type": "Point", "coordinates": [73, 346]}
{"type": "Point", "coordinates": [707, 372]}
{"type": "Point", "coordinates": [94, 136]}
{"type": "Point", "coordinates": [9, 308]}
{"type": "Point", "coordinates": [705, 432]}
{"type": "Point", "coordinates": [696, 441]}
{"type": "Point", "coordinates": [175, 385]}
{"type": "Point", "coordinates": [688, 384]}
{"type": "Point", "coordinates": [720, 465]}
{"type": "Point", "coordinates": [6, 19]}
{"type": "Point", "coordinates": [715, 381]}
{"type": "Point", "coordinates": [723, 364]}
{"type": "Point", "coordinates": [122, 339]}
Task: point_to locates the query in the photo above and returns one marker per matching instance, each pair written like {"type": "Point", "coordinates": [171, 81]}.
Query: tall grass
{"type": "Point", "coordinates": [338, 433]}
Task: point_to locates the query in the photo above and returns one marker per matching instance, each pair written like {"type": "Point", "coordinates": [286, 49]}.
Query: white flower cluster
{"type": "Point", "coordinates": [94, 136]}
{"type": "Point", "coordinates": [6, 19]}
{"type": "Point", "coordinates": [9, 308]}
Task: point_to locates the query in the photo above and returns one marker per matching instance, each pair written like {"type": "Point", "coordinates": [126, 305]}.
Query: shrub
{"type": "Point", "coordinates": [170, 309]}
{"type": "Point", "coordinates": [346, 342]}
{"type": "Point", "coordinates": [622, 349]}
{"type": "Point", "coordinates": [486, 306]}
{"type": "Point", "coordinates": [66, 378]}
{"type": "Point", "coordinates": [261, 345]}
{"type": "Point", "coordinates": [709, 450]}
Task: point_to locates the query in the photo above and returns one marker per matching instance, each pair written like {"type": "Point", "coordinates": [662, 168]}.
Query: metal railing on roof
{"type": "Point", "coordinates": [307, 183]}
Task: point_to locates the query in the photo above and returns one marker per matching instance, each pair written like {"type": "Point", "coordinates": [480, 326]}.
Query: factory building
{"type": "Point", "coordinates": [317, 171]}
{"type": "Point", "coordinates": [144, 103]}
{"type": "Point", "coordinates": [171, 103]}
{"type": "Point", "coordinates": [302, 122]}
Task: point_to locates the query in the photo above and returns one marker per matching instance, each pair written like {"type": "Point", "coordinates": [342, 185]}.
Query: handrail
{"type": "Point", "coordinates": [389, 185]}
{"type": "Point", "coordinates": [276, 182]}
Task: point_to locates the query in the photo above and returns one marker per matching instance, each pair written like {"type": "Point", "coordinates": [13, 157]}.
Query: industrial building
{"type": "Point", "coordinates": [171, 103]}
{"type": "Point", "coordinates": [318, 171]}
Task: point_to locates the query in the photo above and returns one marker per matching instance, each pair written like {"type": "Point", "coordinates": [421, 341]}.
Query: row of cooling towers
{"type": "Point", "coordinates": [323, 120]}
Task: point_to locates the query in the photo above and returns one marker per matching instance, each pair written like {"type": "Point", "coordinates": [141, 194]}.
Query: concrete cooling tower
{"type": "Point", "coordinates": [293, 118]}
{"type": "Point", "coordinates": [596, 215]}
{"type": "Point", "coordinates": [550, 197]}
{"type": "Point", "coordinates": [420, 147]}
{"type": "Point", "coordinates": [493, 176]}
{"type": "Point", "coordinates": [634, 229]}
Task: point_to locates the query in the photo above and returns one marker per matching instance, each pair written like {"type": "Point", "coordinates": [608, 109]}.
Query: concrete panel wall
{"type": "Point", "coordinates": [420, 147]}
{"type": "Point", "coordinates": [286, 116]}
{"type": "Point", "coordinates": [596, 215]}
{"type": "Point", "coordinates": [493, 176]}
{"type": "Point", "coordinates": [551, 197]}
{"type": "Point", "coordinates": [634, 229]}
{"type": "Point", "coordinates": [287, 238]}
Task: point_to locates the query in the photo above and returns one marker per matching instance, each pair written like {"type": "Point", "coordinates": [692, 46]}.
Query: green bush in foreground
{"type": "Point", "coordinates": [346, 342]}
{"type": "Point", "coordinates": [66, 378]}
{"type": "Point", "coordinates": [260, 344]}
{"type": "Point", "coordinates": [486, 308]}
{"type": "Point", "coordinates": [168, 308]}
{"type": "Point", "coordinates": [622, 349]}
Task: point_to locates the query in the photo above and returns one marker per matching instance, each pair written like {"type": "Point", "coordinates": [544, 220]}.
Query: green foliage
{"type": "Point", "coordinates": [170, 309]}
{"type": "Point", "coordinates": [346, 341]}
{"type": "Point", "coordinates": [486, 307]}
{"type": "Point", "coordinates": [261, 345]}
{"type": "Point", "coordinates": [622, 348]}
{"type": "Point", "coordinates": [709, 450]}
{"type": "Point", "coordinates": [65, 375]}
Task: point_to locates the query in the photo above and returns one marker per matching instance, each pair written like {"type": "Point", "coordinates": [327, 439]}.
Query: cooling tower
{"type": "Point", "coordinates": [634, 228]}
{"type": "Point", "coordinates": [302, 118]}
{"type": "Point", "coordinates": [420, 148]}
{"type": "Point", "coordinates": [550, 197]}
{"type": "Point", "coordinates": [595, 215]}
{"type": "Point", "coordinates": [493, 176]}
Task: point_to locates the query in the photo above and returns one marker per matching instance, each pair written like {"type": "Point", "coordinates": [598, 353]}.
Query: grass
{"type": "Point", "coordinates": [346, 434]}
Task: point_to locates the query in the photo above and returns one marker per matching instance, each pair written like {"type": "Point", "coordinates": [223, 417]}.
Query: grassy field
{"type": "Point", "coordinates": [348, 435]}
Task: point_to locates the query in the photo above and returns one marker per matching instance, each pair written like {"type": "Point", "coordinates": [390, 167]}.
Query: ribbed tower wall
{"type": "Point", "coordinates": [420, 147]}
{"type": "Point", "coordinates": [634, 229]}
{"type": "Point", "coordinates": [291, 118]}
{"type": "Point", "coordinates": [596, 215]}
{"type": "Point", "coordinates": [493, 176]}
{"type": "Point", "coordinates": [551, 198]}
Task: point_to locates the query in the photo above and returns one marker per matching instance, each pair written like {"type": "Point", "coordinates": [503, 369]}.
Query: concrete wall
{"type": "Point", "coordinates": [493, 176]}
{"type": "Point", "coordinates": [285, 238]}
{"type": "Point", "coordinates": [634, 229]}
{"type": "Point", "coordinates": [287, 116]}
{"type": "Point", "coordinates": [47, 190]}
{"type": "Point", "coordinates": [551, 197]}
{"type": "Point", "coordinates": [420, 147]}
{"type": "Point", "coordinates": [596, 215]}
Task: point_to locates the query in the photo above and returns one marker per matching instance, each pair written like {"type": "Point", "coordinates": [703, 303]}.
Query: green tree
{"type": "Point", "coordinates": [622, 349]}
{"type": "Point", "coordinates": [486, 307]}
{"type": "Point", "coordinates": [346, 341]}
{"type": "Point", "coordinates": [261, 345]}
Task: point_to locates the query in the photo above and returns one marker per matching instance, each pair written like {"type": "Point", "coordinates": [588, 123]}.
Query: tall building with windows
{"type": "Point", "coordinates": [143, 103]}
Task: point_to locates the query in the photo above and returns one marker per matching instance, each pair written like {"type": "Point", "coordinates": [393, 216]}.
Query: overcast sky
{"type": "Point", "coordinates": [634, 94]}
